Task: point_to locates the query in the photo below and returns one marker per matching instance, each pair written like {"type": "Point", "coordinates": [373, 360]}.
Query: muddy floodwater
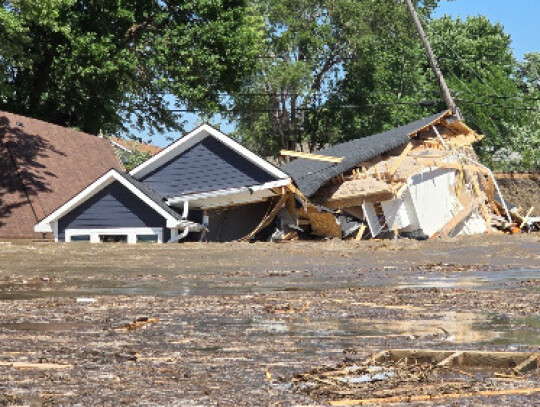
{"type": "Point", "coordinates": [232, 324]}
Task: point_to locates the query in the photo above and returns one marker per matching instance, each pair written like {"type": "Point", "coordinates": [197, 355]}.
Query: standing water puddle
{"type": "Point", "coordinates": [185, 287]}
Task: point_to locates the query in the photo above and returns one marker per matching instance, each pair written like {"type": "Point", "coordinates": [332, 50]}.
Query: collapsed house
{"type": "Point", "coordinates": [420, 180]}
{"type": "Point", "coordinates": [204, 186]}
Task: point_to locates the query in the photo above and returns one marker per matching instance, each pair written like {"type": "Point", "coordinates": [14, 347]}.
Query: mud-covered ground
{"type": "Point", "coordinates": [523, 193]}
{"type": "Point", "coordinates": [237, 322]}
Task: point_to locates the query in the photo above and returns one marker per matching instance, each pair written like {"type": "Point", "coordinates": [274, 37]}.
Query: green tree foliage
{"type": "Point", "coordinates": [476, 60]}
{"type": "Point", "coordinates": [528, 74]}
{"type": "Point", "coordinates": [347, 69]}
{"type": "Point", "coordinates": [132, 159]}
{"type": "Point", "coordinates": [91, 63]}
{"type": "Point", "coordinates": [309, 46]}
{"type": "Point", "coordinates": [524, 149]}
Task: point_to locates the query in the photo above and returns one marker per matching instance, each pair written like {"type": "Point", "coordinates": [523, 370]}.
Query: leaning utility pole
{"type": "Point", "coordinates": [448, 99]}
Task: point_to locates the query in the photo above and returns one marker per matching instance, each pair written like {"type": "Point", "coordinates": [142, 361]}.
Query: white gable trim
{"type": "Point", "coordinates": [108, 178]}
{"type": "Point", "coordinates": [197, 135]}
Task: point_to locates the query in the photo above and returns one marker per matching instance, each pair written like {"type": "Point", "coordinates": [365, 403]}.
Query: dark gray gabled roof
{"type": "Point", "coordinates": [150, 194]}
{"type": "Point", "coordinates": [310, 175]}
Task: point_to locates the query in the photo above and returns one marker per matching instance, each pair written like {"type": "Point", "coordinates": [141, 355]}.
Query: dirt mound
{"type": "Point", "coordinates": [523, 193]}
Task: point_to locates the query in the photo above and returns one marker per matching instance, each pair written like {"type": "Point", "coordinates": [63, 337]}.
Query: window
{"type": "Point", "coordinates": [147, 238]}
{"type": "Point", "coordinates": [113, 238]}
{"type": "Point", "coordinates": [80, 238]}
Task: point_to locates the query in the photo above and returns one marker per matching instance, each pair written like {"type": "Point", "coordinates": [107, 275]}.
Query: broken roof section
{"type": "Point", "coordinates": [311, 175]}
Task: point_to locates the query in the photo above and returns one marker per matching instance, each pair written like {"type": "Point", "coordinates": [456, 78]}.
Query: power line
{"type": "Point", "coordinates": [474, 102]}
{"type": "Point", "coordinates": [419, 103]}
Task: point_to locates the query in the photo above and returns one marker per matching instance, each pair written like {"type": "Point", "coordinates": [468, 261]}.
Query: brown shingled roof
{"type": "Point", "coordinates": [134, 145]}
{"type": "Point", "coordinates": [42, 165]}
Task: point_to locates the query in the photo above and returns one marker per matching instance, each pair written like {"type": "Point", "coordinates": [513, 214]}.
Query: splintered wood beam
{"type": "Point", "coordinates": [526, 217]}
{"type": "Point", "coordinates": [450, 359]}
{"type": "Point", "coordinates": [309, 156]}
{"type": "Point", "coordinates": [360, 233]}
{"type": "Point", "coordinates": [457, 219]}
{"type": "Point", "coordinates": [268, 218]}
{"type": "Point", "coordinates": [449, 165]}
{"type": "Point", "coordinates": [400, 159]}
{"type": "Point", "coordinates": [531, 363]}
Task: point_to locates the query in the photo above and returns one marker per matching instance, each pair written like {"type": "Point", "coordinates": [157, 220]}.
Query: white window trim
{"type": "Point", "coordinates": [131, 233]}
{"type": "Point", "coordinates": [192, 138]}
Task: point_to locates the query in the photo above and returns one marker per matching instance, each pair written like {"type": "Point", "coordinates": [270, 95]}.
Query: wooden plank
{"type": "Point", "coordinates": [360, 232]}
{"type": "Point", "coordinates": [400, 159]}
{"type": "Point", "coordinates": [450, 359]}
{"type": "Point", "coordinates": [533, 176]}
{"type": "Point", "coordinates": [309, 156]}
{"type": "Point", "coordinates": [526, 217]}
{"type": "Point", "coordinates": [466, 358]}
{"type": "Point", "coordinates": [457, 219]}
{"type": "Point", "coordinates": [37, 366]}
{"type": "Point", "coordinates": [532, 363]}
{"type": "Point", "coordinates": [449, 165]}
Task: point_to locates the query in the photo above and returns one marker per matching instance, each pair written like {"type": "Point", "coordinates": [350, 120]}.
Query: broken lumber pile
{"type": "Point", "coordinates": [404, 375]}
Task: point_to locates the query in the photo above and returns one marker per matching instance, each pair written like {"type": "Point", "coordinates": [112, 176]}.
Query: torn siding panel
{"type": "Point", "coordinates": [399, 213]}
{"type": "Point", "coordinates": [432, 198]}
{"type": "Point", "coordinates": [207, 166]}
{"type": "Point", "coordinates": [113, 207]}
{"type": "Point", "coordinates": [372, 219]}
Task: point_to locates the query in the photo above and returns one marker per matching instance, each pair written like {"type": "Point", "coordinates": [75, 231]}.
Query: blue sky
{"type": "Point", "coordinates": [520, 18]}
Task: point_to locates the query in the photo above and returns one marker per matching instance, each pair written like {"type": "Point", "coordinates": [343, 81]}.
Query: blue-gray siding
{"type": "Point", "coordinates": [114, 207]}
{"type": "Point", "coordinates": [207, 166]}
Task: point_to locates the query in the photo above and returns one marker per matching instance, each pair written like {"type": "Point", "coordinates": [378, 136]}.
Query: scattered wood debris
{"type": "Point", "coordinates": [286, 308]}
{"type": "Point", "coordinates": [406, 375]}
{"type": "Point", "coordinates": [139, 322]}
{"type": "Point", "coordinates": [36, 366]}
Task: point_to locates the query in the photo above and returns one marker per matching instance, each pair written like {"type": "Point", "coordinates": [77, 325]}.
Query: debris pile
{"type": "Point", "coordinates": [421, 180]}
{"type": "Point", "coordinates": [417, 375]}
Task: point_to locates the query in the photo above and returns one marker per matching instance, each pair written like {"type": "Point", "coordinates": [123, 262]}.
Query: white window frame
{"type": "Point", "coordinates": [131, 233]}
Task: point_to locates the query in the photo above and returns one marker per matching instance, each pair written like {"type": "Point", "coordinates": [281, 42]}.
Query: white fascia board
{"type": "Point", "coordinates": [193, 138]}
{"type": "Point", "coordinates": [230, 191]}
{"type": "Point", "coordinates": [112, 175]}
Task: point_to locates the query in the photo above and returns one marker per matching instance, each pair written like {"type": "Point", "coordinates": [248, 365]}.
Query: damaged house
{"type": "Point", "coordinates": [204, 186]}
{"type": "Point", "coordinates": [420, 180]}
